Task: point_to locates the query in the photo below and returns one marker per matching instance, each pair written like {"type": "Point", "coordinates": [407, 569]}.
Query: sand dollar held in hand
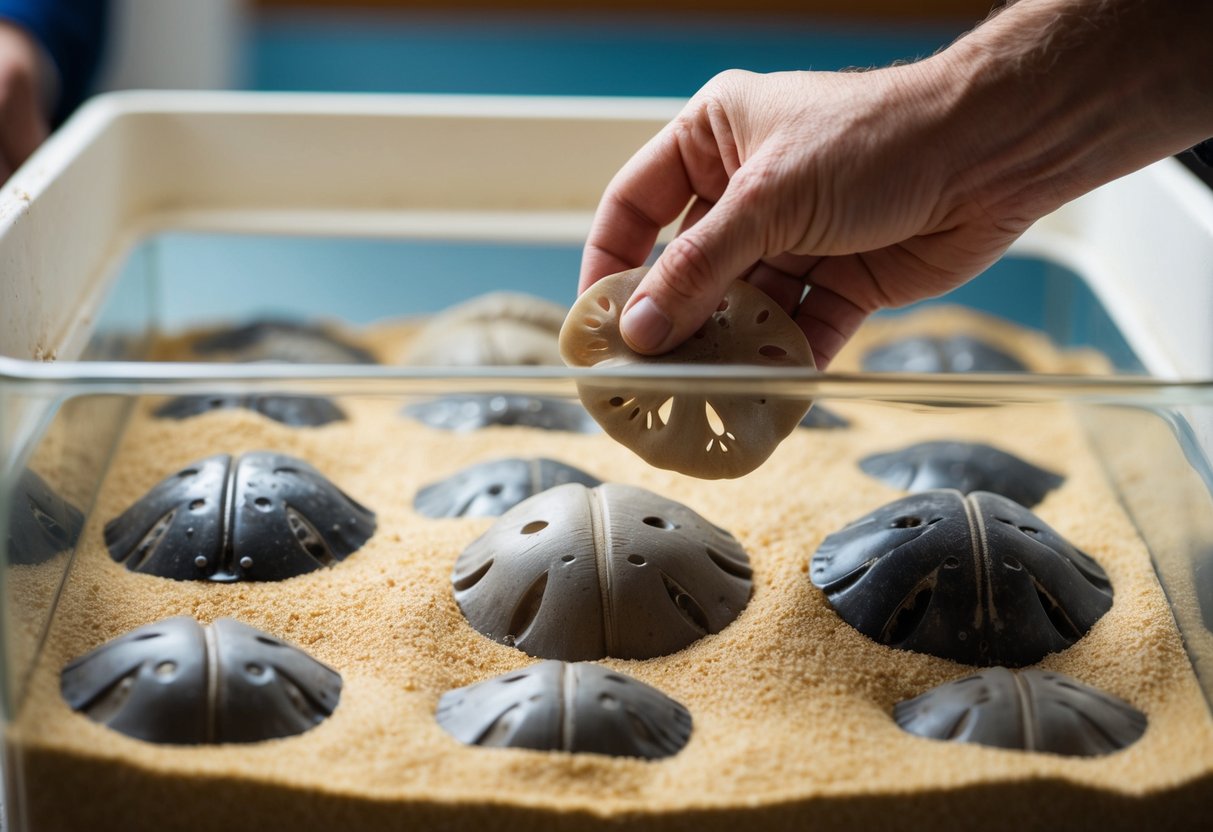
{"type": "Point", "coordinates": [711, 437]}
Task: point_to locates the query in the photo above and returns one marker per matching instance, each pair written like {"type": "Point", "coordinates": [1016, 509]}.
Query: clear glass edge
{"type": "Point", "coordinates": [156, 378]}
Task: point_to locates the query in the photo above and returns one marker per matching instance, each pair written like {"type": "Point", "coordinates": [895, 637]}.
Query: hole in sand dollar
{"type": "Point", "coordinates": [665, 410]}
{"type": "Point", "coordinates": [534, 526]}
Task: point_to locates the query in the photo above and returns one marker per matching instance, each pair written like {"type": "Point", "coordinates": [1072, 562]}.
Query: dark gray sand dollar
{"type": "Point", "coordinates": [950, 354]}
{"type": "Point", "coordinates": [40, 523]}
{"type": "Point", "coordinates": [576, 574]}
{"type": "Point", "coordinates": [978, 579]}
{"type": "Point", "coordinates": [281, 341]}
{"type": "Point", "coordinates": [822, 418]}
{"type": "Point", "coordinates": [179, 682]}
{"type": "Point", "coordinates": [474, 411]}
{"type": "Point", "coordinates": [489, 489]}
{"type": "Point", "coordinates": [1024, 710]}
{"type": "Point", "coordinates": [260, 517]}
{"type": "Point", "coordinates": [578, 708]}
{"type": "Point", "coordinates": [294, 411]}
{"type": "Point", "coordinates": [1202, 576]}
{"type": "Point", "coordinates": [964, 466]}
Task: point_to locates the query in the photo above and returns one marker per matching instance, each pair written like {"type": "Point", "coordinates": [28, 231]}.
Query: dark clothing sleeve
{"type": "Point", "coordinates": [72, 32]}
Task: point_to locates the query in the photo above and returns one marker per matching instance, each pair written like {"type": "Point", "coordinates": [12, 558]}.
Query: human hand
{"type": "Point", "coordinates": [23, 121]}
{"type": "Point", "coordinates": [877, 189]}
{"type": "Point", "coordinates": [829, 179]}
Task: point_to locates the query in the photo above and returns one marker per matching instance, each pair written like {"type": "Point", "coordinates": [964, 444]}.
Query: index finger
{"type": "Point", "coordinates": [647, 194]}
{"type": "Point", "coordinates": [693, 156]}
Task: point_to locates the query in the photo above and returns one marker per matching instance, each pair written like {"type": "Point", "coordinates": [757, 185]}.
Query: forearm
{"type": "Point", "coordinates": [1052, 98]}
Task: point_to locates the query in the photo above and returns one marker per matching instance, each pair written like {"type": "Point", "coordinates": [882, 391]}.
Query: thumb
{"type": "Point", "coordinates": [689, 279]}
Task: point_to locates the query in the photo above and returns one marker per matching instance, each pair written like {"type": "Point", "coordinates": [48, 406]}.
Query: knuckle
{"type": "Point", "coordinates": [687, 269]}
{"type": "Point", "coordinates": [722, 89]}
{"type": "Point", "coordinates": [682, 129]}
{"type": "Point", "coordinates": [761, 172]}
{"type": "Point", "coordinates": [730, 79]}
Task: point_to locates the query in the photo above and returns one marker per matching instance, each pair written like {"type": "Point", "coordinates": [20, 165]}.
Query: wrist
{"type": "Point", "coordinates": [1052, 98]}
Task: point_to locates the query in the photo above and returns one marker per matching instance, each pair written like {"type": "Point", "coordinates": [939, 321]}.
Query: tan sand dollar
{"type": "Point", "coordinates": [497, 329]}
{"type": "Point", "coordinates": [711, 437]}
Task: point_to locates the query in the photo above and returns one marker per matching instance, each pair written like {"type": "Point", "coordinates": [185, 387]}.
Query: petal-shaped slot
{"type": "Point", "coordinates": [950, 354]}
{"type": "Point", "coordinates": [281, 341]}
{"type": "Point", "coordinates": [977, 579]}
{"type": "Point", "coordinates": [708, 437]}
{"type": "Point", "coordinates": [295, 411]}
{"type": "Point", "coordinates": [263, 517]}
{"type": "Point", "coordinates": [558, 706]}
{"type": "Point", "coordinates": [499, 328]}
{"type": "Point", "coordinates": [964, 466]}
{"type": "Point", "coordinates": [481, 410]}
{"type": "Point", "coordinates": [1025, 710]}
{"type": "Point", "coordinates": [489, 489]}
{"type": "Point", "coordinates": [41, 524]}
{"type": "Point", "coordinates": [173, 682]}
{"type": "Point", "coordinates": [576, 573]}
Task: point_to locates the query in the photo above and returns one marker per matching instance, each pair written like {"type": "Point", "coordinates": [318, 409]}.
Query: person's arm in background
{"type": "Point", "coordinates": [49, 50]}
{"type": "Point", "coordinates": [885, 187]}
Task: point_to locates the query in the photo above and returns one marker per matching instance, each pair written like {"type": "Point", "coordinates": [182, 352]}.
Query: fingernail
{"type": "Point", "coordinates": [644, 325]}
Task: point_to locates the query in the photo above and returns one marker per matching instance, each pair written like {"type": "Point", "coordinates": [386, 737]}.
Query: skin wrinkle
{"type": "Point", "coordinates": [722, 130]}
{"type": "Point", "coordinates": [691, 279]}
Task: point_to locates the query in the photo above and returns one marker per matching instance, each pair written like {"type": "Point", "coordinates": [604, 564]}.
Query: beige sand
{"type": "Point", "coordinates": [791, 707]}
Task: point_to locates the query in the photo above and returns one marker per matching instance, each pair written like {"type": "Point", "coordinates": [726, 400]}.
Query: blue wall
{"type": "Point", "coordinates": [525, 54]}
